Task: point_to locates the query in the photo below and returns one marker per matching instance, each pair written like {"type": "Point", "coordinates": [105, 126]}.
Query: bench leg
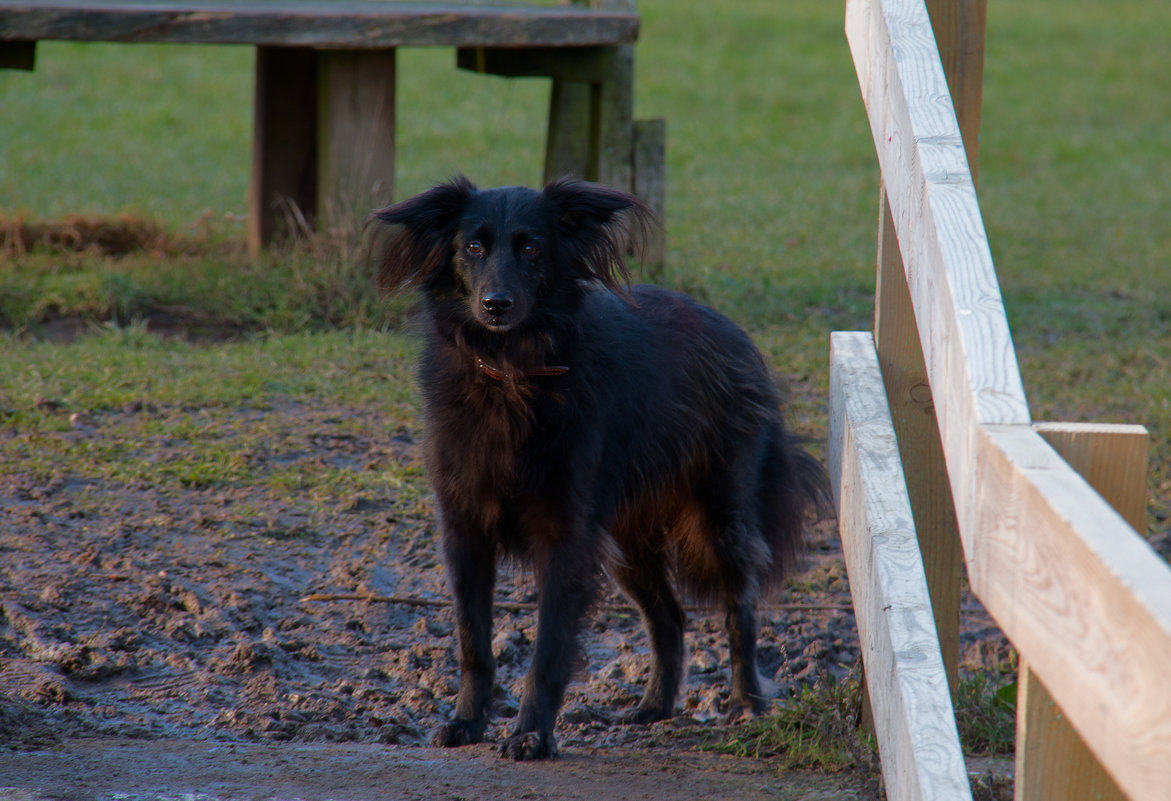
{"type": "Point", "coordinates": [591, 125]}
{"type": "Point", "coordinates": [355, 136]}
{"type": "Point", "coordinates": [592, 135]}
{"type": "Point", "coordinates": [322, 141]}
{"type": "Point", "coordinates": [649, 182]}
{"type": "Point", "coordinates": [284, 143]}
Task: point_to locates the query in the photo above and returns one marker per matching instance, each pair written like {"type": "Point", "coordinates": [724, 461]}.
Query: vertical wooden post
{"type": "Point", "coordinates": [1052, 761]}
{"type": "Point", "coordinates": [18, 55]}
{"type": "Point", "coordinates": [908, 391]}
{"type": "Point", "coordinates": [959, 32]}
{"type": "Point", "coordinates": [613, 134]}
{"type": "Point", "coordinates": [355, 134]}
{"type": "Point", "coordinates": [591, 125]}
{"type": "Point", "coordinates": [959, 27]}
{"type": "Point", "coordinates": [567, 146]}
{"type": "Point", "coordinates": [593, 135]}
{"type": "Point", "coordinates": [650, 184]}
{"type": "Point", "coordinates": [284, 141]}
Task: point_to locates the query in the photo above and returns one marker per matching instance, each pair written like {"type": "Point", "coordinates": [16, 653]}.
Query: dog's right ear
{"type": "Point", "coordinates": [420, 240]}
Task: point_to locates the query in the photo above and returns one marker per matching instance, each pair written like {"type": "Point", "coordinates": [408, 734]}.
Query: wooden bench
{"type": "Point", "coordinates": [323, 130]}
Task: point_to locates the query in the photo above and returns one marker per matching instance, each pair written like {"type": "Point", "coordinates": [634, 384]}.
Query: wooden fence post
{"type": "Point", "coordinates": [959, 32]}
{"type": "Point", "coordinates": [913, 413]}
{"type": "Point", "coordinates": [1052, 761]}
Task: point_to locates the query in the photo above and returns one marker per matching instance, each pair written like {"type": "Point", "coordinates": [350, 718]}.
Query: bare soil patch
{"type": "Point", "coordinates": [177, 620]}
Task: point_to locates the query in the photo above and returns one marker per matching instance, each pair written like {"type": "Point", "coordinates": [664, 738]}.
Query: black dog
{"type": "Point", "coordinates": [579, 425]}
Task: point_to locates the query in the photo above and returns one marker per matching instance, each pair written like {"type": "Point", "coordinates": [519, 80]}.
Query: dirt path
{"type": "Point", "coordinates": [176, 621]}
{"type": "Point", "coordinates": [137, 771]}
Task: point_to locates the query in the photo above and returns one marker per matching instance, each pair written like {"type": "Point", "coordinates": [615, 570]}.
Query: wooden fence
{"type": "Point", "coordinates": [1049, 543]}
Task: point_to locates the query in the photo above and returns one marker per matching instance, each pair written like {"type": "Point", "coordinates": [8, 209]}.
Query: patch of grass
{"type": "Point", "coordinates": [117, 366]}
{"type": "Point", "coordinates": [128, 407]}
{"type": "Point", "coordinates": [204, 289]}
{"type": "Point", "coordinates": [817, 729]}
{"type": "Point", "coordinates": [985, 710]}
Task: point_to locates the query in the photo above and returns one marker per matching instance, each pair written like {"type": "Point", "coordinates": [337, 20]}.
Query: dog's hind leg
{"type": "Point", "coordinates": [744, 559]}
{"type": "Point", "coordinates": [746, 695]}
{"type": "Point", "coordinates": [471, 565]}
{"type": "Point", "coordinates": [645, 578]}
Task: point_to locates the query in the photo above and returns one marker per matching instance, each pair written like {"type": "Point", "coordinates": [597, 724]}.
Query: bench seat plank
{"type": "Point", "coordinates": [345, 24]}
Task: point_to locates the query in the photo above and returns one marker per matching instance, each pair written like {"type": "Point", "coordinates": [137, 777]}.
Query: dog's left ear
{"type": "Point", "coordinates": [597, 226]}
{"type": "Point", "coordinates": [419, 243]}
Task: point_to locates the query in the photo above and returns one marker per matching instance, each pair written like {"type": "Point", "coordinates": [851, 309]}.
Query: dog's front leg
{"type": "Point", "coordinates": [567, 583]}
{"type": "Point", "coordinates": [471, 565]}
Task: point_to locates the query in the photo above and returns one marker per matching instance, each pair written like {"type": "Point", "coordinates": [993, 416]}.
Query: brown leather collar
{"type": "Point", "coordinates": [502, 375]}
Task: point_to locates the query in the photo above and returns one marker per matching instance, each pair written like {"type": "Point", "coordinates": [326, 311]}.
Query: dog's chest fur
{"type": "Point", "coordinates": [483, 434]}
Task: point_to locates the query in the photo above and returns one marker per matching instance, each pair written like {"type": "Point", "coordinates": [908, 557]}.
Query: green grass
{"type": "Point", "coordinates": [817, 729]}
{"type": "Point", "coordinates": [77, 410]}
{"type": "Point", "coordinates": [985, 710]}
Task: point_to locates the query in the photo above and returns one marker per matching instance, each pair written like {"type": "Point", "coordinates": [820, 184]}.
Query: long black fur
{"type": "Point", "coordinates": [657, 454]}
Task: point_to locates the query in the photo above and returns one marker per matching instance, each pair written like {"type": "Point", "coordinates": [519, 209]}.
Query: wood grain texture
{"type": "Point", "coordinates": [356, 134]}
{"type": "Point", "coordinates": [912, 409]}
{"type": "Point", "coordinates": [1076, 589]}
{"type": "Point", "coordinates": [284, 143]}
{"type": "Point", "coordinates": [1082, 596]}
{"type": "Point", "coordinates": [968, 348]}
{"type": "Point", "coordinates": [306, 23]}
{"type": "Point", "coordinates": [918, 744]}
{"type": "Point", "coordinates": [1053, 762]}
{"type": "Point", "coordinates": [959, 27]}
{"type": "Point", "coordinates": [1112, 457]}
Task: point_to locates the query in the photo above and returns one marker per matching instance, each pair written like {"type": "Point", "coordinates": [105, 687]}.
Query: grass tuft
{"type": "Point", "coordinates": [816, 729]}
{"type": "Point", "coordinates": [986, 714]}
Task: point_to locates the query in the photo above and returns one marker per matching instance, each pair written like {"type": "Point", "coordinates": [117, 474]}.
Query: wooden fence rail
{"type": "Point", "coordinates": [913, 717]}
{"type": "Point", "coordinates": [1078, 591]}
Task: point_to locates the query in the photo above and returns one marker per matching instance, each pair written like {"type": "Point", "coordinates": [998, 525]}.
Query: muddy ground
{"type": "Point", "coordinates": [183, 623]}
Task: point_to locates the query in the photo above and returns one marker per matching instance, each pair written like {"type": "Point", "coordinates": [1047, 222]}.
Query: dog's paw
{"type": "Point", "coordinates": [529, 745]}
{"type": "Point", "coordinates": [743, 709]}
{"type": "Point", "coordinates": [645, 717]}
{"type": "Point", "coordinates": [455, 733]}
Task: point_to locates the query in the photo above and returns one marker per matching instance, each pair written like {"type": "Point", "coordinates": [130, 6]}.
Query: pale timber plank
{"type": "Point", "coordinates": [1112, 457]}
{"type": "Point", "coordinates": [1053, 762]}
{"type": "Point", "coordinates": [1074, 587]}
{"type": "Point", "coordinates": [959, 30]}
{"type": "Point", "coordinates": [964, 333]}
{"type": "Point", "coordinates": [1084, 598]}
{"type": "Point", "coordinates": [917, 739]}
{"type": "Point", "coordinates": [959, 27]}
{"type": "Point", "coordinates": [912, 411]}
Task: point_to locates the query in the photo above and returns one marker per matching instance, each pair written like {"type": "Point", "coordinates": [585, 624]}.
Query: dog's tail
{"type": "Point", "coordinates": [794, 492]}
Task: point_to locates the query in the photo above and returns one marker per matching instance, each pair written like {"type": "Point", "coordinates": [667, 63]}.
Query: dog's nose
{"type": "Point", "coordinates": [496, 302]}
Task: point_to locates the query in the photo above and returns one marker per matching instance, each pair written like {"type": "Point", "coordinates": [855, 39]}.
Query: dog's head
{"type": "Point", "coordinates": [496, 254]}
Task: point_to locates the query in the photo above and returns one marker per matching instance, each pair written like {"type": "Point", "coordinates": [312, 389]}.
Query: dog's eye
{"type": "Point", "coordinates": [474, 247]}
{"type": "Point", "coordinates": [530, 251]}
